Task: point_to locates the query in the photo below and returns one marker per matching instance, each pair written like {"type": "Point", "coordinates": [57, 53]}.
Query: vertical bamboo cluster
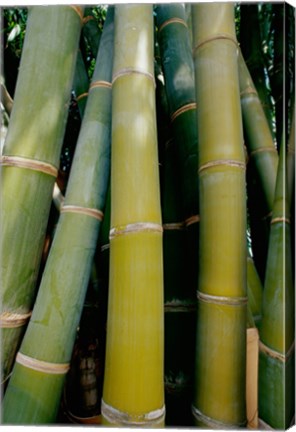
{"type": "Point", "coordinates": [219, 400]}
{"type": "Point", "coordinates": [276, 361]}
{"type": "Point", "coordinates": [133, 383]}
{"type": "Point", "coordinates": [30, 160]}
{"type": "Point", "coordinates": [34, 390]}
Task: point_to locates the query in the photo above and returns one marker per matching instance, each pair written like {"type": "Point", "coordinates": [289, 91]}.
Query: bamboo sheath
{"type": "Point", "coordinates": [220, 383]}
{"type": "Point", "coordinates": [34, 390]}
{"type": "Point", "coordinates": [133, 380]}
{"type": "Point", "coordinates": [276, 361]}
{"type": "Point", "coordinates": [30, 160]}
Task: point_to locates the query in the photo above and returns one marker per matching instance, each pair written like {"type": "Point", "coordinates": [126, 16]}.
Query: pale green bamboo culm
{"type": "Point", "coordinates": [30, 161]}
{"type": "Point", "coordinates": [133, 392]}
{"type": "Point", "coordinates": [34, 390]}
{"type": "Point", "coordinates": [220, 382]}
{"type": "Point", "coordinates": [276, 360]}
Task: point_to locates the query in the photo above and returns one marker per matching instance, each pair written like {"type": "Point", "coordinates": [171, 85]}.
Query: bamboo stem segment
{"type": "Point", "coordinates": [45, 353]}
{"type": "Point", "coordinates": [31, 156]}
{"type": "Point", "coordinates": [220, 365]}
{"type": "Point", "coordinates": [133, 381]}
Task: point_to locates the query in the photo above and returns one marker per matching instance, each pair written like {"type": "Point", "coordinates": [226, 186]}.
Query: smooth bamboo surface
{"type": "Point", "coordinates": [276, 372]}
{"type": "Point", "coordinates": [220, 383]}
{"type": "Point", "coordinates": [33, 396]}
{"type": "Point", "coordinates": [133, 391]}
{"type": "Point", "coordinates": [255, 291]}
{"type": "Point", "coordinates": [180, 190]}
{"type": "Point", "coordinates": [36, 131]}
{"type": "Point", "coordinates": [262, 165]}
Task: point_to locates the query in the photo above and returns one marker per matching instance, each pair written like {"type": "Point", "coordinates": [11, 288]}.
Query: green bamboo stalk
{"type": "Point", "coordinates": [81, 83]}
{"type": "Point", "coordinates": [255, 290]}
{"type": "Point", "coordinates": [34, 390]}
{"type": "Point", "coordinates": [133, 382]}
{"type": "Point", "coordinates": [181, 242]}
{"type": "Point", "coordinates": [179, 309]}
{"type": "Point", "coordinates": [262, 166]}
{"type": "Point", "coordinates": [276, 360]}
{"type": "Point", "coordinates": [220, 382]}
{"type": "Point", "coordinates": [30, 160]}
{"type": "Point", "coordinates": [251, 47]}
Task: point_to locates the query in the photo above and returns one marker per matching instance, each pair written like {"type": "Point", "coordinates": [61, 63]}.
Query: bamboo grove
{"type": "Point", "coordinates": [147, 215]}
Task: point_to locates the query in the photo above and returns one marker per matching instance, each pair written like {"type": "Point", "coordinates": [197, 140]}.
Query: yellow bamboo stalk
{"type": "Point", "coordinates": [220, 383]}
{"type": "Point", "coordinates": [133, 391]}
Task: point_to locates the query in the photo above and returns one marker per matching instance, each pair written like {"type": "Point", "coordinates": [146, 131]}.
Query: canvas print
{"type": "Point", "coordinates": [148, 215]}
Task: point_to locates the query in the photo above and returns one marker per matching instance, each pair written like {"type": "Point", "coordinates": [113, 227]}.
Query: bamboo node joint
{"type": "Point", "coordinates": [113, 415]}
{"type": "Point", "coordinates": [221, 162]}
{"type": "Point", "coordinates": [275, 354]}
{"type": "Point", "coordinates": [172, 21]}
{"type": "Point", "coordinates": [228, 301]}
{"type": "Point", "coordinates": [135, 228]}
{"type": "Point", "coordinates": [183, 109]}
{"type": "Point", "coordinates": [97, 214]}
{"type": "Point", "coordinates": [13, 320]}
{"type": "Point", "coordinates": [100, 83]}
{"type": "Point", "coordinates": [42, 366]}
{"type": "Point", "coordinates": [32, 164]}
{"type": "Point", "coordinates": [218, 36]}
{"type": "Point", "coordinates": [130, 71]}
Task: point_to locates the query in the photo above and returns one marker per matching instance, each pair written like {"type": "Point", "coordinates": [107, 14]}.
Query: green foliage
{"type": "Point", "coordinates": [14, 28]}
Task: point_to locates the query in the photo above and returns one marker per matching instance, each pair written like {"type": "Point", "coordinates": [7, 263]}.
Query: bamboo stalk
{"type": "Point", "coordinates": [276, 361]}
{"type": "Point", "coordinates": [81, 83]}
{"type": "Point", "coordinates": [133, 381]}
{"type": "Point", "coordinates": [220, 382]}
{"type": "Point", "coordinates": [181, 239]}
{"type": "Point", "coordinates": [30, 161]}
{"type": "Point", "coordinates": [262, 165]}
{"type": "Point", "coordinates": [255, 291]}
{"type": "Point", "coordinates": [34, 391]}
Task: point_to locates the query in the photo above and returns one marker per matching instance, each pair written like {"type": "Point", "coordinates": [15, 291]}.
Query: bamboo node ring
{"type": "Point", "coordinates": [135, 228]}
{"type": "Point", "coordinates": [185, 108]}
{"type": "Point", "coordinates": [248, 90]}
{"type": "Point", "coordinates": [173, 226]}
{"type": "Point", "coordinates": [212, 423]}
{"type": "Point", "coordinates": [79, 12]}
{"type": "Point", "coordinates": [172, 21]}
{"type": "Point", "coordinates": [13, 320]}
{"type": "Point", "coordinates": [275, 354]}
{"type": "Point", "coordinates": [223, 36]}
{"type": "Point", "coordinates": [192, 220]}
{"type": "Point", "coordinates": [219, 162]}
{"type": "Point", "coordinates": [32, 164]}
{"type": "Point", "coordinates": [262, 150]}
{"type": "Point", "coordinates": [113, 415]}
{"type": "Point", "coordinates": [100, 83]}
{"type": "Point", "coordinates": [81, 96]}
{"type": "Point", "coordinates": [42, 366]}
{"type": "Point", "coordinates": [97, 214]}
{"type": "Point", "coordinates": [130, 71]}
{"type": "Point", "coordinates": [280, 219]}
{"type": "Point", "coordinates": [214, 299]}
